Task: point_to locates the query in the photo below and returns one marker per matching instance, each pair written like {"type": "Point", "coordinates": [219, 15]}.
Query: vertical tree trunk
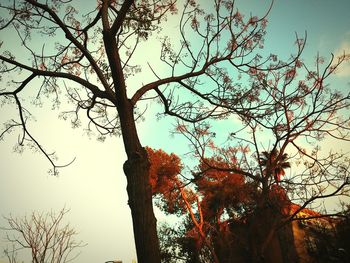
{"type": "Point", "coordinates": [259, 225]}
{"type": "Point", "coordinates": [136, 169]}
{"type": "Point", "coordinates": [264, 241]}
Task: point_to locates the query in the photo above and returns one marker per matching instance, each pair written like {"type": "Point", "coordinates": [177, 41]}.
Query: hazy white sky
{"type": "Point", "coordinates": [94, 186]}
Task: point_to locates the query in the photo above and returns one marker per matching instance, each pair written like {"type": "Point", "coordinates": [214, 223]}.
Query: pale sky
{"type": "Point", "coordinates": [94, 186]}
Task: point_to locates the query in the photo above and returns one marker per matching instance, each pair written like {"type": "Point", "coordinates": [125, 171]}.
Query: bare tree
{"type": "Point", "coordinates": [42, 235]}
{"type": "Point", "coordinates": [11, 254]}
{"type": "Point", "coordinates": [89, 57]}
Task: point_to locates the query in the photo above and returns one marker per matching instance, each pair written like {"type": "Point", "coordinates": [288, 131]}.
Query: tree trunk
{"type": "Point", "coordinates": [136, 169]}
{"type": "Point", "coordinates": [259, 226]}
{"type": "Point", "coordinates": [264, 242]}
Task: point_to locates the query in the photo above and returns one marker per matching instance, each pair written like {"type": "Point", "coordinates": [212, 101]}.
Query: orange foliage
{"type": "Point", "coordinates": [220, 187]}
{"type": "Point", "coordinates": [163, 178]}
{"type": "Point", "coordinates": [279, 198]}
{"type": "Point", "coordinates": [163, 171]}
{"type": "Point", "coordinates": [216, 170]}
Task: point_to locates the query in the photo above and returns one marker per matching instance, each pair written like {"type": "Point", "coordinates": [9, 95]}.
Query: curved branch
{"type": "Point", "coordinates": [37, 72]}
{"type": "Point", "coordinates": [74, 40]}
{"type": "Point", "coordinates": [118, 22]}
{"type": "Point", "coordinates": [25, 130]}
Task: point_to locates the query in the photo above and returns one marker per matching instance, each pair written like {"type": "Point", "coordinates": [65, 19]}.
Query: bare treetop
{"type": "Point", "coordinates": [44, 237]}
{"type": "Point", "coordinates": [225, 46]}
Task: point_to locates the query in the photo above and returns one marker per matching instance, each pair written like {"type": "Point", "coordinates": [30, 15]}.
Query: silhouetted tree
{"type": "Point", "coordinates": [295, 111]}
{"type": "Point", "coordinates": [295, 114]}
{"type": "Point", "coordinates": [42, 235]}
{"type": "Point", "coordinates": [273, 160]}
{"type": "Point", "coordinates": [90, 58]}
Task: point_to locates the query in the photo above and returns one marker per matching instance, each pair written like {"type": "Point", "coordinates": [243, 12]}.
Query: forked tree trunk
{"type": "Point", "coordinates": [136, 168]}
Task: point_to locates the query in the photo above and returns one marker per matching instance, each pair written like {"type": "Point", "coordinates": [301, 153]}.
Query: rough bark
{"type": "Point", "coordinates": [136, 169]}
